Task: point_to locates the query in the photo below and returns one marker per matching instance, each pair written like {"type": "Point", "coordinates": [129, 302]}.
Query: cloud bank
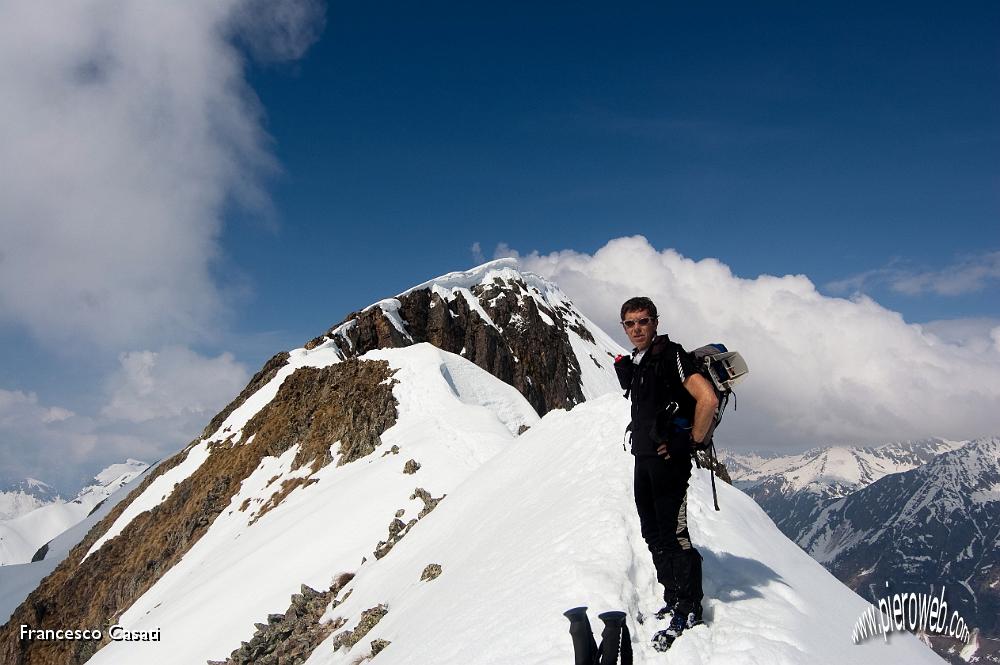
{"type": "Point", "coordinates": [125, 128]}
{"type": "Point", "coordinates": [823, 370]}
{"type": "Point", "coordinates": [154, 404]}
{"type": "Point", "coordinates": [126, 131]}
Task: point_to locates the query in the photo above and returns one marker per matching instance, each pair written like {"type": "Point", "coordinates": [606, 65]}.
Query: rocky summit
{"type": "Point", "coordinates": [517, 326]}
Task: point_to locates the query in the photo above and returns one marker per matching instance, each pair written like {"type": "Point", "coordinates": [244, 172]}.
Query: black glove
{"type": "Point", "coordinates": [624, 369]}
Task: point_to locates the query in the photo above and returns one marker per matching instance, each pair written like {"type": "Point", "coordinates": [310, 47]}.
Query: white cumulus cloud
{"type": "Point", "coordinates": [125, 128]}
{"type": "Point", "coordinates": [823, 370]}
{"type": "Point", "coordinates": [173, 382]}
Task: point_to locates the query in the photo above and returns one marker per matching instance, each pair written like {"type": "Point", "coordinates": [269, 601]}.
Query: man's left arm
{"type": "Point", "coordinates": [706, 403]}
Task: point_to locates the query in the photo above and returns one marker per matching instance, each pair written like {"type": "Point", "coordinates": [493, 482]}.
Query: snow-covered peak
{"type": "Point", "coordinates": [21, 497]}
{"type": "Point", "coordinates": [833, 470]}
{"type": "Point", "coordinates": [38, 521]}
{"type": "Point", "coordinates": [466, 279]}
{"type": "Point", "coordinates": [114, 473]}
{"type": "Point", "coordinates": [515, 324]}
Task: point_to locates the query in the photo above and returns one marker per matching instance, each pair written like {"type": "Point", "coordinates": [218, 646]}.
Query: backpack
{"type": "Point", "coordinates": [723, 369]}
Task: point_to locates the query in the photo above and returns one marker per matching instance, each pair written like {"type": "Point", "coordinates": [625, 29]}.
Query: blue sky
{"type": "Point", "coordinates": [824, 141]}
{"type": "Point", "coordinates": [856, 145]}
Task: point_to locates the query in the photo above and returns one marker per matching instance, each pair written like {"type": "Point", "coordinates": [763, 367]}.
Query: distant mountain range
{"type": "Point", "coordinates": [23, 496]}
{"type": "Point", "coordinates": [34, 513]}
{"type": "Point", "coordinates": [913, 515]}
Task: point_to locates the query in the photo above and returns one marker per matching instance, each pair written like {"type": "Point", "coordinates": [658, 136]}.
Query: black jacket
{"type": "Point", "coordinates": [654, 383]}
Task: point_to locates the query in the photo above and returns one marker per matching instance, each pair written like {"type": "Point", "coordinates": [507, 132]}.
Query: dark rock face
{"type": "Point", "coordinates": [527, 352]}
{"type": "Point", "coordinates": [40, 553]}
{"type": "Point", "coordinates": [350, 401]}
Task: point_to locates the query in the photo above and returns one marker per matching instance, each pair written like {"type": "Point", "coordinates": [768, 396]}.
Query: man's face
{"type": "Point", "coordinates": [640, 328]}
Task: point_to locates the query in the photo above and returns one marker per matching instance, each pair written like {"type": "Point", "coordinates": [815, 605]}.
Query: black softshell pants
{"type": "Point", "coordinates": [661, 499]}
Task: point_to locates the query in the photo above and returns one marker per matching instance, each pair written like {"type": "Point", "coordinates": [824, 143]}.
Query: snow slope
{"type": "Point", "coordinates": [21, 537]}
{"type": "Point", "coordinates": [567, 535]}
{"type": "Point", "coordinates": [452, 417]}
{"type": "Point", "coordinates": [531, 526]}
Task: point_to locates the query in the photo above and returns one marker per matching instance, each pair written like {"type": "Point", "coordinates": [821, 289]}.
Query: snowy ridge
{"type": "Point", "coordinates": [21, 536]}
{"type": "Point", "coordinates": [452, 417]}
{"type": "Point", "coordinates": [155, 494]}
{"type": "Point", "coordinates": [839, 468]}
{"type": "Point", "coordinates": [595, 360]}
{"type": "Point", "coordinates": [526, 516]}
{"type": "Point", "coordinates": [25, 496]}
{"type": "Point", "coordinates": [547, 524]}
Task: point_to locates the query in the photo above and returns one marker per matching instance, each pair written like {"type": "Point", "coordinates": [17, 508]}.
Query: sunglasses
{"type": "Point", "coordinates": [628, 324]}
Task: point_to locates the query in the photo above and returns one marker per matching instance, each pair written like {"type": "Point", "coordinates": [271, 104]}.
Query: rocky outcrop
{"type": "Point", "coordinates": [290, 638]}
{"type": "Point", "coordinates": [398, 528]}
{"type": "Point", "coordinates": [369, 619]}
{"type": "Point", "coordinates": [431, 572]}
{"type": "Point", "coordinates": [708, 461]}
{"type": "Point", "coordinates": [518, 344]}
{"type": "Point", "coordinates": [350, 402]}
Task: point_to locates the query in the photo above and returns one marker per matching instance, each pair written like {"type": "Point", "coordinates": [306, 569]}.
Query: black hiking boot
{"type": "Point", "coordinates": [679, 622]}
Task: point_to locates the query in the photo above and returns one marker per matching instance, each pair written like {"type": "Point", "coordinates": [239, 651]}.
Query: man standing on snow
{"type": "Point", "coordinates": [672, 406]}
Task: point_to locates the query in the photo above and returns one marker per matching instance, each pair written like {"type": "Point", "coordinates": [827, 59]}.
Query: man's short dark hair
{"type": "Point", "coordinates": [636, 304]}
